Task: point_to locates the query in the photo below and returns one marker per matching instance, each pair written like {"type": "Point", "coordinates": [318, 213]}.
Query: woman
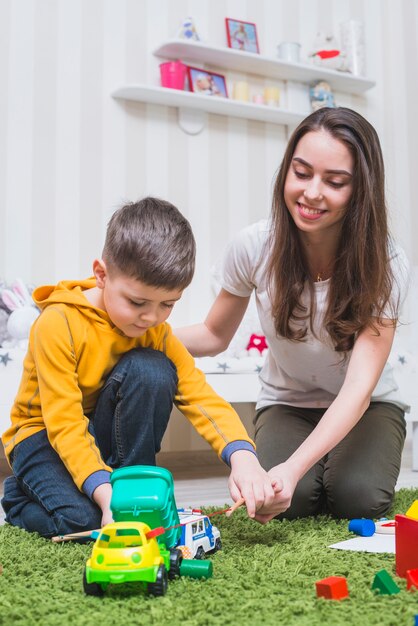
{"type": "Point", "coordinates": [328, 281]}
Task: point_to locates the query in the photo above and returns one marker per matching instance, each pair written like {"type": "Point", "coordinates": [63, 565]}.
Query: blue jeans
{"type": "Point", "coordinates": [128, 423]}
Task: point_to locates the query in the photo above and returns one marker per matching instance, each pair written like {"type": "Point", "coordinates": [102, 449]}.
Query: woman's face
{"type": "Point", "coordinates": [319, 183]}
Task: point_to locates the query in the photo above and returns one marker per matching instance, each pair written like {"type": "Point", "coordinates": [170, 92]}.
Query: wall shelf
{"type": "Point", "coordinates": [209, 104]}
{"type": "Point", "coordinates": [247, 62]}
{"type": "Point", "coordinates": [193, 107]}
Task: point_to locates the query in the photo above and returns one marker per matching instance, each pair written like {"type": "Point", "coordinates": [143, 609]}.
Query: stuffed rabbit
{"type": "Point", "coordinates": [23, 311]}
{"type": "Point", "coordinates": [4, 316]}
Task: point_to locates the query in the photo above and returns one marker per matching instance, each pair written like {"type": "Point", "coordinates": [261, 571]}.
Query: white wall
{"type": "Point", "coordinates": [70, 154]}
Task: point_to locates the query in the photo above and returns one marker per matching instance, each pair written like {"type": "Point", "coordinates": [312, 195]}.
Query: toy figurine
{"type": "Point", "coordinates": [187, 30]}
{"type": "Point", "coordinates": [321, 96]}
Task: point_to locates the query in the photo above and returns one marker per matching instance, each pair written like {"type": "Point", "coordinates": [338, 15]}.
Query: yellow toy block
{"type": "Point", "coordinates": [413, 510]}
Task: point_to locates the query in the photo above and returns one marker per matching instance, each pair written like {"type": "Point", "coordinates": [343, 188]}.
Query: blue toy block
{"type": "Point", "coordinates": [363, 527]}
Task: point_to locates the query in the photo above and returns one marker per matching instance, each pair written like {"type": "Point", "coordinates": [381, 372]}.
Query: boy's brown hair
{"type": "Point", "coordinates": [151, 241]}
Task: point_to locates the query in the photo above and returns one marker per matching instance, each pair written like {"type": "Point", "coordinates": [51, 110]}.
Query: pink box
{"type": "Point", "coordinates": [173, 74]}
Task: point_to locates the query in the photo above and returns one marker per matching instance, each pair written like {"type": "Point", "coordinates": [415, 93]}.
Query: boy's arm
{"type": "Point", "coordinates": [217, 422]}
{"type": "Point", "coordinates": [55, 358]}
{"type": "Point", "coordinates": [213, 418]}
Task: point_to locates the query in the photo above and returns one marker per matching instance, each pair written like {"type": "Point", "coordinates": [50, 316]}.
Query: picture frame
{"type": "Point", "coordinates": [206, 83]}
{"type": "Point", "coordinates": [242, 35]}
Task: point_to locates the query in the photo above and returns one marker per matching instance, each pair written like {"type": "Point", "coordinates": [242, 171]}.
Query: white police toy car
{"type": "Point", "coordinates": [198, 535]}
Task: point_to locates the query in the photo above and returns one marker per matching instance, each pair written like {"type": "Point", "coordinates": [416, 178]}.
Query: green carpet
{"type": "Point", "coordinates": [264, 575]}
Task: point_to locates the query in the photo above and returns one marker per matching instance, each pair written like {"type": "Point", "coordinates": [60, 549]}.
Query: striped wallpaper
{"type": "Point", "coordinates": [70, 153]}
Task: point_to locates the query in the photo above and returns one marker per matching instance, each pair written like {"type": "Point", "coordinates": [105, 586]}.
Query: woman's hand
{"type": "Point", "coordinates": [249, 481]}
{"type": "Point", "coordinates": [284, 482]}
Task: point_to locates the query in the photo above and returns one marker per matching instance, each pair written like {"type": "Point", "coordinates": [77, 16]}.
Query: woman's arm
{"type": "Point", "coordinates": [215, 333]}
{"type": "Point", "coordinates": [368, 359]}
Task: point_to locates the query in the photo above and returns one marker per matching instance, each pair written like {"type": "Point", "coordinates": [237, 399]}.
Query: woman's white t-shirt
{"type": "Point", "coordinates": [306, 373]}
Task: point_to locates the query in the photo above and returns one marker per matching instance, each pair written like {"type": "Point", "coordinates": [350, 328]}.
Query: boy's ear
{"type": "Point", "coordinates": [100, 272]}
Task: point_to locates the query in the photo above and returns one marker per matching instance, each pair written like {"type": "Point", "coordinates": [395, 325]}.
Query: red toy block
{"type": "Point", "coordinates": [406, 544]}
{"type": "Point", "coordinates": [412, 579]}
{"type": "Point", "coordinates": [332, 588]}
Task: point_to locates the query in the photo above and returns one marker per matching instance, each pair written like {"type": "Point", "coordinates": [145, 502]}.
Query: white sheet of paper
{"type": "Point", "coordinates": [375, 543]}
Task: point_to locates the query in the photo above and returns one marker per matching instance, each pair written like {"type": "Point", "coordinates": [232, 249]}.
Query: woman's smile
{"type": "Point", "coordinates": [309, 213]}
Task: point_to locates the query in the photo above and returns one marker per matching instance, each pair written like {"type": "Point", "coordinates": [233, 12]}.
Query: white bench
{"type": "Point", "coordinates": [235, 388]}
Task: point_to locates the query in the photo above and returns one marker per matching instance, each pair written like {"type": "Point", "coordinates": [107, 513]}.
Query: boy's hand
{"type": "Point", "coordinates": [107, 517]}
{"type": "Point", "coordinates": [250, 481]}
{"type": "Point", "coordinates": [102, 496]}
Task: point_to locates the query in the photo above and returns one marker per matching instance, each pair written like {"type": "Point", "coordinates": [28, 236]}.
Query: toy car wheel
{"type": "Point", "coordinates": [200, 553]}
{"type": "Point", "coordinates": [218, 546]}
{"type": "Point", "coordinates": [159, 588]}
{"type": "Point", "coordinates": [91, 589]}
{"type": "Point", "coordinates": [176, 557]}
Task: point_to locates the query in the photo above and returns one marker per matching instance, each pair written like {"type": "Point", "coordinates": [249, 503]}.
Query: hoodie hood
{"type": "Point", "coordinates": [69, 292]}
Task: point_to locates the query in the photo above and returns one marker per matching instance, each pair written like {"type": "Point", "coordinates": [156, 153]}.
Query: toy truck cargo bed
{"type": "Point", "coordinates": [144, 493]}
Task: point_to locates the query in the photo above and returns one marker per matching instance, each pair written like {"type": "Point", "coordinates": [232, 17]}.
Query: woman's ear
{"type": "Point", "coordinates": [100, 272]}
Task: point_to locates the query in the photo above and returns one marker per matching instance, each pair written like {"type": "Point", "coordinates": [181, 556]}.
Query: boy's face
{"type": "Point", "coordinates": [133, 306]}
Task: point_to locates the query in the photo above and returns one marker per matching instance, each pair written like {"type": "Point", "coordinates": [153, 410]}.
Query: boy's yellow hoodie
{"type": "Point", "coordinates": [73, 346]}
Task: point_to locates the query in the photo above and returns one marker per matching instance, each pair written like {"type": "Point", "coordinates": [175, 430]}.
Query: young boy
{"type": "Point", "coordinates": [102, 371]}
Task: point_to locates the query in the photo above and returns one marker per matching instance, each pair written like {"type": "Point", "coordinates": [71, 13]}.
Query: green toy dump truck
{"type": "Point", "coordinates": [146, 493]}
{"type": "Point", "coordinates": [140, 545]}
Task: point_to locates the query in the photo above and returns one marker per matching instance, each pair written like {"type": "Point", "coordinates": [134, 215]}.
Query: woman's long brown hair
{"type": "Point", "coordinates": [361, 282]}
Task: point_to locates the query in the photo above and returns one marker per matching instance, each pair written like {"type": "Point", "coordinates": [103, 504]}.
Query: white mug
{"type": "Point", "coordinates": [289, 51]}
